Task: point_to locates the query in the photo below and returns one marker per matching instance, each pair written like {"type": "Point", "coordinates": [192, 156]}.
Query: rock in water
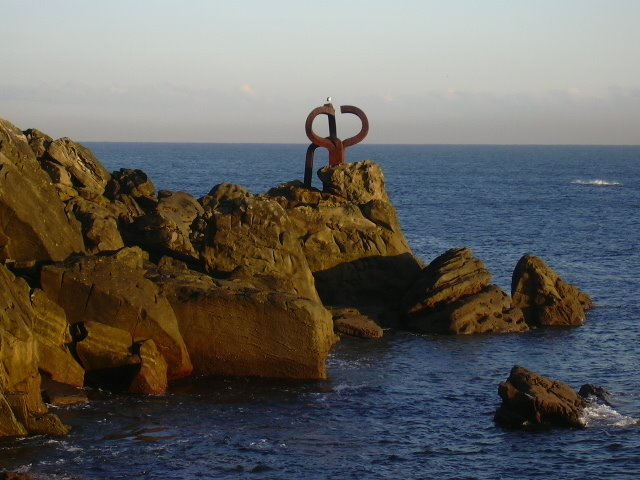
{"type": "Point", "coordinates": [544, 297]}
{"type": "Point", "coordinates": [349, 321]}
{"type": "Point", "coordinates": [233, 328]}
{"type": "Point", "coordinates": [530, 400]}
{"type": "Point", "coordinates": [452, 295]}
{"type": "Point", "coordinates": [33, 223]}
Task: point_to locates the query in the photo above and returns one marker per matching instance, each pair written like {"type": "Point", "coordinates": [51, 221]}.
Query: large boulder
{"type": "Point", "coordinates": [21, 408]}
{"type": "Point", "coordinates": [113, 290]}
{"type": "Point", "coordinates": [351, 237]}
{"type": "Point", "coordinates": [33, 223]}
{"type": "Point", "coordinates": [530, 400]}
{"type": "Point", "coordinates": [233, 328]}
{"type": "Point", "coordinates": [453, 295]}
{"type": "Point", "coordinates": [544, 297]}
{"type": "Point", "coordinates": [251, 237]}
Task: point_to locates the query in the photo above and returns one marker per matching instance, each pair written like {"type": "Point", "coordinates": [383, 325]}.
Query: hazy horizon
{"type": "Point", "coordinates": [425, 72]}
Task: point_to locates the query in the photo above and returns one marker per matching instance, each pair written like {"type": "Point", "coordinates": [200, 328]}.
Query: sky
{"type": "Point", "coordinates": [444, 72]}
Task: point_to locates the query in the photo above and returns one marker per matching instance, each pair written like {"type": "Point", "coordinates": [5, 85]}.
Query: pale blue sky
{"type": "Point", "coordinates": [563, 71]}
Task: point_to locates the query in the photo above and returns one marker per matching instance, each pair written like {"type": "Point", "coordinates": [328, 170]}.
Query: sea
{"type": "Point", "coordinates": [407, 406]}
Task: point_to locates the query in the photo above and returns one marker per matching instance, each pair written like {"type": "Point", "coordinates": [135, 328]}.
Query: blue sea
{"type": "Point", "coordinates": [408, 406]}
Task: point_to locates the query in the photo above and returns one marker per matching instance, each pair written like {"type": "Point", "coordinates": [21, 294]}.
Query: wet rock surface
{"type": "Point", "coordinates": [530, 401]}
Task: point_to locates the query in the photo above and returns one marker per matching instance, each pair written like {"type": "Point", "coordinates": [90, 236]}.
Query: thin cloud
{"type": "Point", "coordinates": [248, 90]}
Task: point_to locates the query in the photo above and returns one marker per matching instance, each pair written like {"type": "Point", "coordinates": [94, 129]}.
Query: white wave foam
{"type": "Point", "coordinates": [597, 414]}
{"type": "Point", "coordinates": [597, 183]}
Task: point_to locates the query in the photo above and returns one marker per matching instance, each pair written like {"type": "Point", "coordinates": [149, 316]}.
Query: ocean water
{"type": "Point", "coordinates": [407, 406]}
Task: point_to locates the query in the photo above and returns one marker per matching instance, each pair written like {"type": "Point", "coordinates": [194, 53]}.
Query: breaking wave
{"type": "Point", "coordinates": [603, 415]}
{"type": "Point", "coordinates": [597, 183]}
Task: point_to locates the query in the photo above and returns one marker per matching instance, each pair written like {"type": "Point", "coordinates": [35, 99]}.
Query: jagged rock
{"type": "Point", "coordinates": [359, 182]}
{"type": "Point", "coordinates": [249, 236]}
{"type": "Point", "coordinates": [99, 225]}
{"type": "Point", "coordinates": [51, 331]}
{"type": "Point", "coordinates": [453, 275]}
{"type": "Point", "coordinates": [351, 237]}
{"type": "Point", "coordinates": [85, 170]}
{"type": "Point", "coordinates": [134, 183]}
{"type": "Point", "coordinates": [232, 328]}
{"type": "Point", "coordinates": [488, 311]}
{"type": "Point", "coordinates": [350, 321]}
{"type": "Point", "coordinates": [588, 391]}
{"type": "Point", "coordinates": [151, 379]}
{"type": "Point", "coordinates": [530, 400]}
{"type": "Point", "coordinates": [167, 228]}
{"type": "Point", "coordinates": [452, 295]}
{"type": "Point", "coordinates": [21, 408]}
{"type": "Point", "coordinates": [103, 347]}
{"type": "Point", "coordinates": [113, 290]}
{"type": "Point", "coordinates": [82, 168]}
{"type": "Point", "coordinates": [33, 224]}
{"type": "Point", "coordinates": [544, 297]}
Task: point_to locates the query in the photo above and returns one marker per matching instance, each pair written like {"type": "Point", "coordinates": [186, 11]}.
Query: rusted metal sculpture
{"type": "Point", "coordinates": [337, 148]}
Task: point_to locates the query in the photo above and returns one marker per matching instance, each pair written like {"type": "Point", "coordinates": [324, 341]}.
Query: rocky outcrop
{"type": "Point", "coordinates": [544, 297]}
{"type": "Point", "coordinates": [351, 237]}
{"type": "Point", "coordinates": [68, 162]}
{"type": "Point", "coordinates": [349, 321]}
{"type": "Point", "coordinates": [33, 223]}
{"type": "Point", "coordinates": [100, 223]}
{"type": "Point", "coordinates": [112, 290]}
{"type": "Point", "coordinates": [51, 333]}
{"type": "Point", "coordinates": [21, 408]}
{"type": "Point", "coordinates": [245, 236]}
{"type": "Point", "coordinates": [166, 229]}
{"type": "Point", "coordinates": [453, 295]}
{"type": "Point", "coordinates": [233, 328]}
{"type": "Point", "coordinates": [530, 400]}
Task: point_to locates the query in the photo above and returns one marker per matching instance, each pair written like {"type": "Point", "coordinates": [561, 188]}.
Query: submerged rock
{"type": "Point", "coordinates": [544, 297]}
{"type": "Point", "coordinates": [452, 295]}
{"type": "Point", "coordinates": [530, 400]}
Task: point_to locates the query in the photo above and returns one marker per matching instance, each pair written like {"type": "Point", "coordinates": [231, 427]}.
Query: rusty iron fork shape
{"type": "Point", "coordinates": [335, 146]}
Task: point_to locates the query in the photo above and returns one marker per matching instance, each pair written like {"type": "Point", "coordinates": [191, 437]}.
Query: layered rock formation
{"type": "Point", "coordinates": [112, 290]}
{"type": "Point", "coordinates": [544, 297]}
{"type": "Point", "coordinates": [33, 223]}
{"type": "Point", "coordinates": [530, 400]}
{"type": "Point", "coordinates": [22, 410]}
{"type": "Point", "coordinates": [453, 295]}
{"type": "Point", "coordinates": [351, 238]}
